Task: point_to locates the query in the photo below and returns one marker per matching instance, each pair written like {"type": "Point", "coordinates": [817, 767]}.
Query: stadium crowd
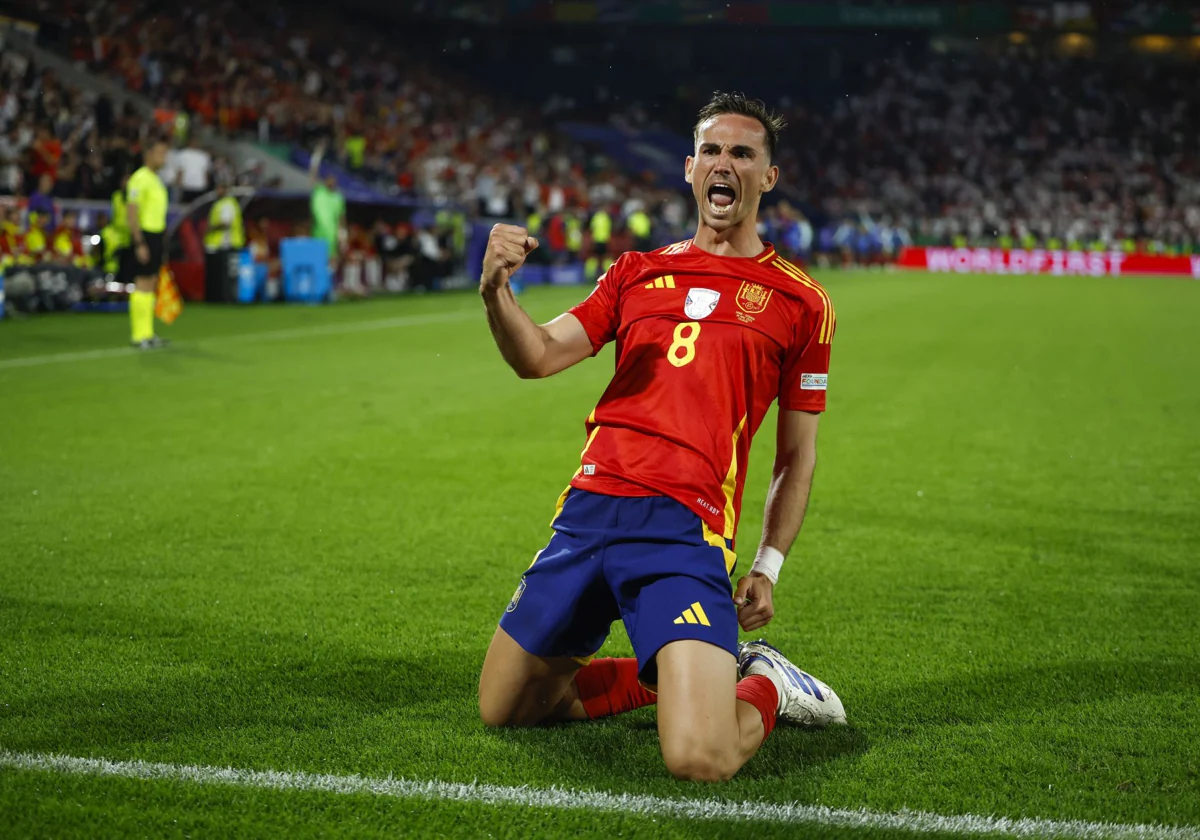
{"type": "Point", "coordinates": [971, 148]}
{"type": "Point", "coordinates": [987, 147]}
{"type": "Point", "coordinates": [54, 140]}
{"type": "Point", "coordinates": [289, 75]}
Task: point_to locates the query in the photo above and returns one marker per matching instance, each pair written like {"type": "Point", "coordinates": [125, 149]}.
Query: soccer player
{"type": "Point", "coordinates": [146, 203]}
{"type": "Point", "coordinates": [709, 333]}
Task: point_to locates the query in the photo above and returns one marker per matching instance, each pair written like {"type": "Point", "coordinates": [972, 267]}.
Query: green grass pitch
{"type": "Point", "coordinates": [284, 543]}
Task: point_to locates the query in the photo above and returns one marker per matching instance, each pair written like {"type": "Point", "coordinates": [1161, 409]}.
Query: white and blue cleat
{"type": "Point", "coordinates": [803, 699]}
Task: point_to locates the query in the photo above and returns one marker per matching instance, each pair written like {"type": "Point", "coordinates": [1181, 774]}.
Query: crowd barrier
{"type": "Point", "coordinates": [1042, 261]}
{"type": "Point", "coordinates": [52, 287]}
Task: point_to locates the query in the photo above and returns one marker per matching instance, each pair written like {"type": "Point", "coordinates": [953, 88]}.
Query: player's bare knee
{"type": "Point", "coordinates": [493, 716]}
{"type": "Point", "coordinates": [494, 711]}
{"type": "Point", "coordinates": [507, 713]}
{"type": "Point", "coordinates": [699, 763]}
{"type": "Point", "coordinates": [500, 717]}
{"type": "Point", "coordinates": [700, 769]}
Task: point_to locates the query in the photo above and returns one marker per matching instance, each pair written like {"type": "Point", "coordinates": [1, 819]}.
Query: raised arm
{"type": "Point", "coordinates": [314, 163]}
{"type": "Point", "coordinates": [532, 350]}
{"type": "Point", "coordinates": [787, 501]}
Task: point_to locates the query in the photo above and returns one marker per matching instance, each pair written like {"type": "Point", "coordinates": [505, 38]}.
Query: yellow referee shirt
{"type": "Point", "coordinates": [146, 190]}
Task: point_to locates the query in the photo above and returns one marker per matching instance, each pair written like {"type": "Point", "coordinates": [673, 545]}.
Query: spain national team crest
{"type": "Point", "coordinates": [753, 298]}
{"type": "Point", "coordinates": [700, 303]}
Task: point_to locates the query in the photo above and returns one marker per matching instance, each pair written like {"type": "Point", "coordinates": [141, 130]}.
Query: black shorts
{"type": "Point", "coordinates": [154, 244]}
{"type": "Point", "coordinates": [125, 265]}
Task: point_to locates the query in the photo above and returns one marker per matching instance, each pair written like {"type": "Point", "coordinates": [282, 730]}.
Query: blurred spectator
{"type": "Point", "coordinates": [35, 245]}
{"type": "Point", "coordinates": [11, 244]}
{"type": "Point", "coordinates": [433, 259]}
{"type": "Point", "coordinates": [190, 170]}
{"type": "Point", "coordinates": [791, 232]}
{"type": "Point", "coordinates": [118, 160]}
{"type": "Point", "coordinates": [12, 152]}
{"type": "Point", "coordinates": [639, 224]}
{"type": "Point", "coordinates": [601, 227]}
{"type": "Point", "coordinates": [225, 227]}
{"type": "Point", "coordinates": [42, 200]}
{"type": "Point", "coordinates": [354, 149]}
{"type": "Point", "coordinates": [328, 207]}
{"type": "Point", "coordinates": [66, 244]}
{"type": "Point", "coordinates": [47, 154]}
{"type": "Point", "coordinates": [81, 176]}
{"type": "Point", "coordinates": [396, 249]}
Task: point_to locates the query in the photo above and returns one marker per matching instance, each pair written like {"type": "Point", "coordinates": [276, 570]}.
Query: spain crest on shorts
{"type": "Point", "coordinates": [753, 298]}
{"type": "Point", "coordinates": [516, 598]}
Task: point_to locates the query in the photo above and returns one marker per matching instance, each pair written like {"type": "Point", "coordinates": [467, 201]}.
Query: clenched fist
{"type": "Point", "coordinates": [754, 598]}
{"type": "Point", "coordinates": [507, 248]}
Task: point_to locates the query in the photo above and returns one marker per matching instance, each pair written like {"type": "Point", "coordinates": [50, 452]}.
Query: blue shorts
{"type": "Point", "coordinates": [646, 560]}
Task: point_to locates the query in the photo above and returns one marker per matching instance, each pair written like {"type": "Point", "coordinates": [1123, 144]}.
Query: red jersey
{"type": "Point", "coordinates": [705, 344]}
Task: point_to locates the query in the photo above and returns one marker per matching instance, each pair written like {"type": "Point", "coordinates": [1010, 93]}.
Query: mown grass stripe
{"type": "Point", "coordinates": [269, 335]}
{"type": "Point", "coordinates": [565, 799]}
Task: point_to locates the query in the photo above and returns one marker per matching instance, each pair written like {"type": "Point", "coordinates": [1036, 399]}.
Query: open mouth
{"type": "Point", "coordinates": [721, 197]}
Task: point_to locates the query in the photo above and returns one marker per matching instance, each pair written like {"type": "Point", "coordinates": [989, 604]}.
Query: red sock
{"type": "Point", "coordinates": [760, 693]}
{"type": "Point", "coordinates": [610, 687]}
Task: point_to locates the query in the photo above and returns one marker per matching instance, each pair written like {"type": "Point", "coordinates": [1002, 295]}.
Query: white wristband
{"type": "Point", "coordinates": [768, 562]}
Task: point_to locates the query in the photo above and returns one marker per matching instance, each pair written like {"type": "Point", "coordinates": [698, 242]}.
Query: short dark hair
{"type": "Point", "coordinates": [739, 103]}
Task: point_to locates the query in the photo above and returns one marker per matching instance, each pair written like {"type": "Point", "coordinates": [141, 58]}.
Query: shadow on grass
{"type": "Point", "coordinates": [151, 677]}
{"type": "Point", "coordinates": [993, 696]}
{"type": "Point", "coordinates": [156, 677]}
{"type": "Point", "coordinates": [191, 349]}
{"type": "Point", "coordinates": [174, 357]}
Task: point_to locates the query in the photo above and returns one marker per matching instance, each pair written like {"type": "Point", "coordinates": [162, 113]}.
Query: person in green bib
{"type": "Point", "coordinates": [328, 206]}
{"type": "Point", "coordinates": [640, 226]}
{"type": "Point", "coordinates": [116, 235]}
{"type": "Point", "coordinates": [601, 226]}
{"type": "Point", "coordinates": [146, 209]}
{"type": "Point", "coordinates": [225, 229]}
{"type": "Point", "coordinates": [355, 150]}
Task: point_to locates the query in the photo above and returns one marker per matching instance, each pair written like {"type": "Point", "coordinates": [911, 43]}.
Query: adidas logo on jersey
{"type": "Point", "coordinates": [694, 615]}
{"type": "Point", "coordinates": [666, 282]}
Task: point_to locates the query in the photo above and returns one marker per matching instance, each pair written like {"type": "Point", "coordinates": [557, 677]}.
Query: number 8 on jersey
{"type": "Point", "coordinates": [685, 340]}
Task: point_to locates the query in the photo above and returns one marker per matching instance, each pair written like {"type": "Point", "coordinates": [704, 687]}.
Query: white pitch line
{"type": "Point", "coordinates": [271, 335]}
{"type": "Point", "coordinates": [621, 803]}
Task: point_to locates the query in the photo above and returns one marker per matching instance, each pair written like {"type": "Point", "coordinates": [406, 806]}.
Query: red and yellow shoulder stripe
{"type": "Point", "coordinates": [828, 322]}
{"type": "Point", "coordinates": [677, 248]}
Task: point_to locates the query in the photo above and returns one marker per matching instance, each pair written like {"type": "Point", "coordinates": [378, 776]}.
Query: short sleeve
{"type": "Point", "coordinates": [805, 377]}
{"type": "Point", "coordinates": [600, 311]}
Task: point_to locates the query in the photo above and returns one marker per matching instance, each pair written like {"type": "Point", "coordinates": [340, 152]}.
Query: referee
{"type": "Point", "coordinates": [147, 210]}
